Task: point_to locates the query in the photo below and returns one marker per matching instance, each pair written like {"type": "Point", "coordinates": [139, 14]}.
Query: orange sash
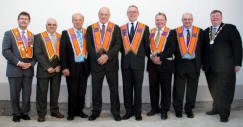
{"type": "Point", "coordinates": [51, 51]}
{"type": "Point", "coordinates": [105, 43]}
{"type": "Point", "coordinates": [193, 41]}
{"type": "Point", "coordinates": [74, 41]}
{"type": "Point", "coordinates": [25, 53]}
{"type": "Point", "coordinates": [160, 47]}
{"type": "Point", "coordinates": [136, 39]}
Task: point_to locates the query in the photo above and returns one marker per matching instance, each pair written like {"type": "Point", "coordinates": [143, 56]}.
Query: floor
{"type": "Point", "coordinates": [106, 120]}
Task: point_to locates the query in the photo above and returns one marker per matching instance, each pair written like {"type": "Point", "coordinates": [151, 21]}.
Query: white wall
{"type": "Point", "coordinates": [41, 10]}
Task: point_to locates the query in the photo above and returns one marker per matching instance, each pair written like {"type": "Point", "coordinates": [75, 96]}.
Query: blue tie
{"type": "Point", "coordinates": [131, 32]}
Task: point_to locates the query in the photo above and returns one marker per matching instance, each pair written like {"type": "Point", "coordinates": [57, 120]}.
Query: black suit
{"type": "Point", "coordinates": [109, 69]}
{"type": "Point", "coordinates": [43, 78]}
{"type": "Point", "coordinates": [160, 77]}
{"type": "Point", "coordinates": [219, 62]}
{"type": "Point", "coordinates": [79, 73]}
{"type": "Point", "coordinates": [186, 75]}
{"type": "Point", "coordinates": [132, 74]}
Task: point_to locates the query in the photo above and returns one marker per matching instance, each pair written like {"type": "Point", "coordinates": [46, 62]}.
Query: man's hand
{"type": "Point", "coordinates": [58, 69]}
{"type": "Point", "coordinates": [156, 60]}
{"type": "Point", "coordinates": [24, 65]}
{"type": "Point", "coordinates": [51, 70]}
{"type": "Point", "coordinates": [237, 68]}
{"type": "Point", "coordinates": [102, 59]}
{"type": "Point", "coordinates": [66, 72]}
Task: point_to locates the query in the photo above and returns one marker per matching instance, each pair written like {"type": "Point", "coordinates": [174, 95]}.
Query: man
{"type": "Point", "coordinates": [103, 44]}
{"type": "Point", "coordinates": [74, 65]}
{"type": "Point", "coordinates": [187, 41]}
{"type": "Point", "coordinates": [160, 68]}
{"type": "Point", "coordinates": [222, 59]}
{"type": "Point", "coordinates": [135, 47]}
{"type": "Point", "coordinates": [47, 45]}
{"type": "Point", "coordinates": [17, 48]}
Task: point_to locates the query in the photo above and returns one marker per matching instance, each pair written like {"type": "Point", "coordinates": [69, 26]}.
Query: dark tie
{"type": "Point", "coordinates": [102, 32]}
{"type": "Point", "coordinates": [188, 38]}
{"type": "Point", "coordinates": [132, 32]}
{"type": "Point", "coordinates": [24, 39]}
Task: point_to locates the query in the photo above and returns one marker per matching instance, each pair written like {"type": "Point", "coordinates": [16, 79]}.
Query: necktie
{"type": "Point", "coordinates": [213, 32]}
{"type": "Point", "coordinates": [157, 38]}
{"type": "Point", "coordinates": [132, 32]}
{"type": "Point", "coordinates": [102, 32]}
{"type": "Point", "coordinates": [54, 40]}
{"type": "Point", "coordinates": [188, 38]}
{"type": "Point", "coordinates": [80, 38]}
{"type": "Point", "coordinates": [24, 39]}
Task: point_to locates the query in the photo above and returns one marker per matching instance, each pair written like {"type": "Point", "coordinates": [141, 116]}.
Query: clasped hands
{"type": "Point", "coordinates": [102, 59]}
{"type": "Point", "coordinates": [156, 60]}
{"type": "Point", "coordinates": [24, 65]}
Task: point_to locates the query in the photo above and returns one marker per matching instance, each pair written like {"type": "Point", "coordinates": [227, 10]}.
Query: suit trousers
{"type": "Point", "coordinates": [41, 94]}
{"type": "Point", "coordinates": [132, 81]}
{"type": "Point", "coordinates": [17, 84]}
{"type": "Point", "coordinates": [76, 85]}
{"type": "Point", "coordinates": [186, 79]}
{"type": "Point", "coordinates": [160, 84]}
{"type": "Point", "coordinates": [222, 88]}
{"type": "Point", "coordinates": [97, 83]}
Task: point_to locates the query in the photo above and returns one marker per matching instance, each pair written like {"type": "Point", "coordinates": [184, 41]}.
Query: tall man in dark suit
{"type": "Point", "coordinates": [160, 67]}
{"type": "Point", "coordinates": [187, 40]}
{"type": "Point", "coordinates": [47, 45]}
{"type": "Point", "coordinates": [135, 47]}
{"type": "Point", "coordinates": [222, 59]}
{"type": "Point", "coordinates": [74, 63]}
{"type": "Point", "coordinates": [103, 44]}
{"type": "Point", "coordinates": [17, 48]}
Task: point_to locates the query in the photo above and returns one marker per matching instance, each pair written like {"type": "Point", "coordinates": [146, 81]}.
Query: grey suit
{"type": "Point", "coordinates": [18, 78]}
{"type": "Point", "coordinates": [43, 79]}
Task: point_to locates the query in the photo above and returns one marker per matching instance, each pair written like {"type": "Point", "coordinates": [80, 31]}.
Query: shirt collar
{"type": "Point", "coordinates": [20, 30]}
{"type": "Point", "coordinates": [162, 29]}
{"type": "Point", "coordinates": [217, 27]}
{"type": "Point", "coordinates": [100, 24]}
{"type": "Point", "coordinates": [76, 30]}
{"type": "Point", "coordinates": [49, 34]}
{"type": "Point", "coordinates": [185, 29]}
{"type": "Point", "coordinates": [134, 23]}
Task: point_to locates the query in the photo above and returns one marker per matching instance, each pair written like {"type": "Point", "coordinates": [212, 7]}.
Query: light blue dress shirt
{"type": "Point", "coordinates": [79, 35]}
{"type": "Point", "coordinates": [187, 55]}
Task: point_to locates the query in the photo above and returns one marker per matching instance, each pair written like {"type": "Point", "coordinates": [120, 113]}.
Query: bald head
{"type": "Point", "coordinates": [187, 20]}
{"type": "Point", "coordinates": [51, 25]}
{"type": "Point", "coordinates": [104, 15]}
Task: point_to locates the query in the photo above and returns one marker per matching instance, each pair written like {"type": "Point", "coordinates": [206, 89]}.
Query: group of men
{"type": "Point", "coordinates": [77, 53]}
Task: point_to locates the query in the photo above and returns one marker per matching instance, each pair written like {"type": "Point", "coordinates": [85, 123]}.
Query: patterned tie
{"type": "Point", "coordinates": [188, 38]}
{"type": "Point", "coordinates": [213, 32]}
{"type": "Point", "coordinates": [24, 39]}
{"type": "Point", "coordinates": [157, 38]}
{"type": "Point", "coordinates": [80, 38]}
{"type": "Point", "coordinates": [54, 40]}
{"type": "Point", "coordinates": [132, 32]}
{"type": "Point", "coordinates": [102, 32]}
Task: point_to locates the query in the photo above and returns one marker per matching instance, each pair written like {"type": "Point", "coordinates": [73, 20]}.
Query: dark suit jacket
{"type": "Point", "coordinates": [67, 55]}
{"type": "Point", "coordinates": [226, 52]}
{"type": "Point", "coordinates": [11, 53]}
{"type": "Point", "coordinates": [115, 44]}
{"type": "Point", "coordinates": [42, 57]}
{"type": "Point", "coordinates": [177, 53]}
{"type": "Point", "coordinates": [167, 65]}
{"type": "Point", "coordinates": [136, 61]}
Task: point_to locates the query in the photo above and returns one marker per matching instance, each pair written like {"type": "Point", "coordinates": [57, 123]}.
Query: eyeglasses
{"type": "Point", "coordinates": [51, 24]}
